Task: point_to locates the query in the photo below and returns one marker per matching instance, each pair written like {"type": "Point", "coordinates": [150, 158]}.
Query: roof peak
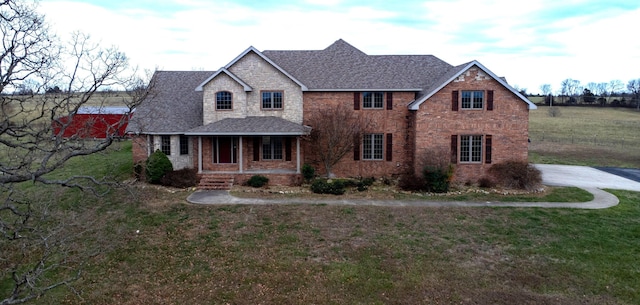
{"type": "Point", "coordinates": [343, 46]}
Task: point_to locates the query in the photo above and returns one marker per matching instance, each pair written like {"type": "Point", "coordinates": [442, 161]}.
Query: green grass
{"type": "Point", "coordinates": [328, 254]}
{"type": "Point", "coordinates": [585, 136]}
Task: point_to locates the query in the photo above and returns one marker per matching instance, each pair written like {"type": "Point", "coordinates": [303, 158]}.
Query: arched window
{"type": "Point", "coordinates": [224, 100]}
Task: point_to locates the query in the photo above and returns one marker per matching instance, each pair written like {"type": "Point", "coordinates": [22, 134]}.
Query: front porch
{"type": "Point", "coordinates": [231, 151]}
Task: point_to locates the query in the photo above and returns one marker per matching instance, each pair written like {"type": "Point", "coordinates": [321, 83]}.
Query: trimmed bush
{"type": "Point", "coordinates": [308, 172]}
{"type": "Point", "coordinates": [182, 178]}
{"type": "Point", "coordinates": [516, 174]}
{"type": "Point", "coordinates": [158, 164]}
{"type": "Point", "coordinates": [322, 186]}
{"type": "Point", "coordinates": [257, 181]}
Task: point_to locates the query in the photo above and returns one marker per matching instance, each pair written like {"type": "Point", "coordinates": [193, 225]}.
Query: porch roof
{"type": "Point", "coordinates": [251, 126]}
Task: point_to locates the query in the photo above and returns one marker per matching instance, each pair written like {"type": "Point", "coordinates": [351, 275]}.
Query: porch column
{"type": "Point", "coordinates": [240, 156]}
{"type": "Point", "coordinates": [199, 154]}
{"type": "Point", "coordinates": [297, 155]}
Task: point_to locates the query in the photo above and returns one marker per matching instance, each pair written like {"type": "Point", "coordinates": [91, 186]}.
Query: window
{"type": "Point", "coordinates": [372, 147]}
{"type": "Point", "coordinates": [470, 148]}
{"type": "Point", "coordinates": [372, 100]}
{"type": "Point", "coordinates": [224, 100]}
{"type": "Point", "coordinates": [271, 148]}
{"type": "Point", "coordinates": [272, 100]}
{"type": "Point", "coordinates": [184, 145]}
{"type": "Point", "coordinates": [472, 99]}
{"type": "Point", "coordinates": [165, 145]}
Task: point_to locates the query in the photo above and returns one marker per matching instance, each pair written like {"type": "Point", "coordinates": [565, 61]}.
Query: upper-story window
{"type": "Point", "coordinates": [372, 100]}
{"type": "Point", "coordinates": [271, 99]}
{"type": "Point", "coordinates": [472, 99]}
{"type": "Point", "coordinates": [224, 100]}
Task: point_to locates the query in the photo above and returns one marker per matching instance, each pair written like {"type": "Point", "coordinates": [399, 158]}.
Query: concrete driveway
{"type": "Point", "coordinates": [584, 177]}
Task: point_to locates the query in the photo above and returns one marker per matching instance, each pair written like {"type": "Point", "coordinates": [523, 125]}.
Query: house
{"type": "Point", "coordinates": [93, 122]}
{"type": "Point", "coordinates": [251, 116]}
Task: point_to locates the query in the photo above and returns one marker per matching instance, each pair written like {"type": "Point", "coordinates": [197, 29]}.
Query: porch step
{"type": "Point", "coordinates": [216, 182]}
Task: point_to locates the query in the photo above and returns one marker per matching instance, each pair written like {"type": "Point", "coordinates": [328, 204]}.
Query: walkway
{"type": "Point", "coordinates": [587, 178]}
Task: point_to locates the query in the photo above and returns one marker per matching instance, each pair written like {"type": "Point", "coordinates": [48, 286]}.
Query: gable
{"type": "Point", "coordinates": [224, 71]}
{"type": "Point", "coordinates": [456, 73]}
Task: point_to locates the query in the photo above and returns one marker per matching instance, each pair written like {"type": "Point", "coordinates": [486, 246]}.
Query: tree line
{"type": "Point", "coordinates": [614, 93]}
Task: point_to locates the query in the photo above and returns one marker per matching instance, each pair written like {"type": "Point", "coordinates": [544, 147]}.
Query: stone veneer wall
{"type": "Point", "coordinates": [507, 123]}
{"type": "Point", "coordinates": [396, 121]}
{"type": "Point", "coordinates": [261, 76]}
{"type": "Point", "coordinates": [140, 150]}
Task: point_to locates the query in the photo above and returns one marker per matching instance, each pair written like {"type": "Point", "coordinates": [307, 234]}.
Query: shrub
{"type": "Point", "coordinates": [485, 182]}
{"type": "Point", "coordinates": [322, 186]}
{"type": "Point", "coordinates": [410, 182]}
{"type": "Point", "coordinates": [516, 174]}
{"type": "Point", "coordinates": [436, 179]}
{"type": "Point", "coordinates": [364, 183]}
{"type": "Point", "coordinates": [308, 172]}
{"type": "Point", "coordinates": [158, 164]}
{"type": "Point", "coordinates": [138, 170]}
{"type": "Point", "coordinates": [257, 181]}
{"type": "Point", "coordinates": [182, 178]}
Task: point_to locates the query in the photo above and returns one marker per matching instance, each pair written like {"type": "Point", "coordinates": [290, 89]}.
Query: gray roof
{"type": "Point", "coordinates": [343, 67]}
{"type": "Point", "coordinates": [173, 106]}
{"type": "Point", "coordinates": [253, 125]}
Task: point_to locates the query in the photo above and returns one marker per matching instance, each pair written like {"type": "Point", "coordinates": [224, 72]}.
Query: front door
{"type": "Point", "coordinates": [225, 149]}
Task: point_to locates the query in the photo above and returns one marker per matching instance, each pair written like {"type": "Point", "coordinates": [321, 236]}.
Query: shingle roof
{"type": "Point", "coordinates": [343, 67]}
{"type": "Point", "coordinates": [173, 106]}
{"type": "Point", "coordinates": [252, 125]}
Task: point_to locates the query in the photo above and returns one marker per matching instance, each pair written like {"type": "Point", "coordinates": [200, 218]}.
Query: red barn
{"type": "Point", "coordinates": [93, 122]}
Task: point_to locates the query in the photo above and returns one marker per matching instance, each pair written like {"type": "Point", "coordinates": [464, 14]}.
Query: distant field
{"type": "Point", "coordinates": [37, 109]}
{"type": "Point", "coordinates": [585, 136]}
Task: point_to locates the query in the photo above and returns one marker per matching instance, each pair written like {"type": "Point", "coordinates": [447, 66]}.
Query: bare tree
{"type": "Point", "coordinates": [634, 88]}
{"type": "Point", "coordinates": [333, 135]}
{"type": "Point", "coordinates": [546, 91]}
{"type": "Point", "coordinates": [31, 61]}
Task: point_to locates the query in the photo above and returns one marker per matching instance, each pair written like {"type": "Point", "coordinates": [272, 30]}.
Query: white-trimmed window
{"type": "Point", "coordinates": [224, 100]}
{"type": "Point", "coordinates": [165, 145]}
{"type": "Point", "coordinates": [271, 99]}
{"type": "Point", "coordinates": [472, 99]}
{"type": "Point", "coordinates": [271, 148]}
{"type": "Point", "coordinates": [372, 146]}
{"type": "Point", "coordinates": [470, 149]}
{"type": "Point", "coordinates": [372, 100]}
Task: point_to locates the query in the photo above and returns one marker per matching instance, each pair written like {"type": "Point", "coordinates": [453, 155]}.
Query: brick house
{"type": "Point", "coordinates": [251, 116]}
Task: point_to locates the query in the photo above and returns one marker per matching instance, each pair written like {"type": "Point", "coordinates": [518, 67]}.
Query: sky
{"type": "Point", "coordinates": [529, 42]}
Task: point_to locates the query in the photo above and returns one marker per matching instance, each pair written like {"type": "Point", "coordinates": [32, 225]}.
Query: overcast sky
{"type": "Point", "coordinates": [529, 42]}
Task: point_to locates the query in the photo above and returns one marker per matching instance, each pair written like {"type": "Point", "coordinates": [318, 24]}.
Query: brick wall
{"type": "Point", "coordinates": [247, 154]}
{"type": "Point", "coordinates": [139, 148]}
{"type": "Point", "coordinates": [396, 121]}
{"type": "Point", "coordinates": [507, 124]}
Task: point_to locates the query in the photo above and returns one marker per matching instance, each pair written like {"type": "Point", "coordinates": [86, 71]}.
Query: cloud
{"type": "Point", "coordinates": [530, 42]}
